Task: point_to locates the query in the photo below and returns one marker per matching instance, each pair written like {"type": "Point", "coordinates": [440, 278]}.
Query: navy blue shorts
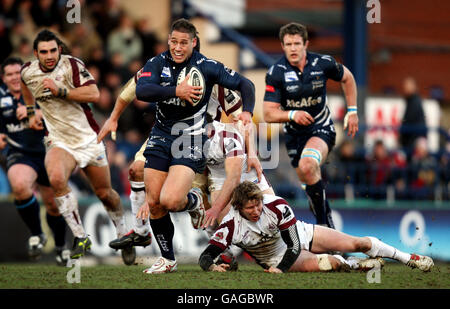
{"type": "Point", "coordinates": [34, 160]}
{"type": "Point", "coordinates": [164, 150]}
{"type": "Point", "coordinates": [296, 141]}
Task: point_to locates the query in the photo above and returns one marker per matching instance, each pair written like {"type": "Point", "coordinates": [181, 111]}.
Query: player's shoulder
{"type": "Point", "coordinates": [279, 67]}
{"type": "Point", "coordinates": [275, 204]}
{"type": "Point", "coordinates": [320, 59]}
{"type": "Point", "coordinates": [27, 66]}
{"type": "Point", "coordinates": [4, 90]}
{"type": "Point", "coordinates": [71, 60]}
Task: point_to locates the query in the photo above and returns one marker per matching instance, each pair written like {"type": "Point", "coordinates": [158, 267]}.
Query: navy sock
{"type": "Point", "coordinates": [192, 201]}
{"type": "Point", "coordinates": [58, 226]}
{"type": "Point", "coordinates": [316, 194]}
{"type": "Point", "coordinates": [29, 211]}
{"type": "Point", "coordinates": [163, 231]}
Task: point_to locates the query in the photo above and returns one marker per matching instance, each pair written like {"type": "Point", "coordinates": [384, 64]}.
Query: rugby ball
{"type": "Point", "coordinates": [195, 79]}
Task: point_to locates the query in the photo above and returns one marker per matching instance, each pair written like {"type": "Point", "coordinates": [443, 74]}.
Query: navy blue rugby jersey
{"type": "Point", "coordinates": [20, 136]}
{"type": "Point", "coordinates": [163, 71]}
{"type": "Point", "coordinates": [296, 90]}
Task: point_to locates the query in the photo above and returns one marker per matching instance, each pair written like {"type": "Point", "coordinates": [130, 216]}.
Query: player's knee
{"type": "Point", "coordinates": [171, 202]}
{"type": "Point", "coordinates": [136, 172]}
{"type": "Point", "coordinates": [21, 190]}
{"type": "Point", "coordinates": [57, 182]}
{"type": "Point", "coordinates": [308, 168]}
{"type": "Point", "coordinates": [103, 194]}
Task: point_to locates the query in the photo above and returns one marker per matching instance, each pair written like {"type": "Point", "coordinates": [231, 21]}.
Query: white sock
{"type": "Point", "coordinates": [381, 249]}
{"type": "Point", "coordinates": [68, 207]}
{"type": "Point", "coordinates": [118, 219]}
{"type": "Point", "coordinates": [137, 198]}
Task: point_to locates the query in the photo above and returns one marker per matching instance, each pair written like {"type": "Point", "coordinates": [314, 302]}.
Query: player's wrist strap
{"type": "Point", "coordinates": [292, 115]}
{"type": "Point", "coordinates": [30, 110]}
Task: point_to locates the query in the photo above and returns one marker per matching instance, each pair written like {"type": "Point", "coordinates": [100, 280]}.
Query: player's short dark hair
{"type": "Point", "coordinates": [184, 25]}
{"type": "Point", "coordinates": [245, 192]}
{"type": "Point", "coordinates": [46, 36]}
{"type": "Point", "coordinates": [10, 61]}
{"type": "Point", "coordinates": [294, 28]}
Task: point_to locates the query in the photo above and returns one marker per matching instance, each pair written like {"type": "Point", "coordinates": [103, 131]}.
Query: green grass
{"type": "Point", "coordinates": [189, 276]}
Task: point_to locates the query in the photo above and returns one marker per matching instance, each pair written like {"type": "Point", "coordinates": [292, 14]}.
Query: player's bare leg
{"type": "Point", "coordinates": [22, 178]}
{"type": "Point", "coordinates": [326, 239]}
{"type": "Point", "coordinates": [60, 165]}
{"type": "Point", "coordinates": [308, 171]}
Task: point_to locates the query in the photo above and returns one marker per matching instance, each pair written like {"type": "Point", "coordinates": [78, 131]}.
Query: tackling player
{"type": "Point", "coordinates": [295, 95]}
{"type": "Point", "coordinates": [25, 165]}
{"type": "Point", "coordinates": [266, 228]}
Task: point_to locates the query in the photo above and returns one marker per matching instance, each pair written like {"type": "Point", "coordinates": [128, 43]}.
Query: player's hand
{"type": "Point", "coordinates": [303, 118]}
{"type": "Point", "coordinates": [253, 162]}
{"type": "Point", "coordinates": [35, 122]}
{"type": "Point", "coordinates": [273, 270]}
{"type": "Point", "coordinates": [351, 122]}
{"type": "Point", "coordinates": [109, 126]}
{"type": "Point", "coordinates": [219, 268]}
{"type": "Point", "coordinates": [143, 212]}
{"type": "Point", "coordinates": [21, 112]}
{"type": "Point", "coordinates": [3, 141]}
{"type": "Point", "coordinates": [187, 92]}
{"type": "Point", "coordinates": [245, 117]}
{"type": "Point", "coordinates": [211, 216]}
{"type": "Point", "coordinates": [50, 85]}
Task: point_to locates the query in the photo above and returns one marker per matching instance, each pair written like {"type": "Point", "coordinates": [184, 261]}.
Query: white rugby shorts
{"type": "Point", "coordinates": [93, 154]}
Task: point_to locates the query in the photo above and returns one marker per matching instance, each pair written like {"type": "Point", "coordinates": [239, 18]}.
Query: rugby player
{"type": "Point", "coordinates": [265, 227]}
{"type": "Point", "coordinates": [63, 87]}
{"type": "Point", "coordinates": [25, 165]}
{"type": "Point", "coordinates": [295, 95]}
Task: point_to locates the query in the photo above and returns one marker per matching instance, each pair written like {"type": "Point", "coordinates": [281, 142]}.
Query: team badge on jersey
{"type": "Point", "coordinates": [6, 102]}
{"type": "Point", "coordinates": [166, 72]}
{"type": "Point", "coordinates": [290, 76]}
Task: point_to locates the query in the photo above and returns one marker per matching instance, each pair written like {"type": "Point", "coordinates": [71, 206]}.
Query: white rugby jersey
{"type": "Point", "coordinates": [67, 121]}
{"type": "Point", "coordinates": [261, 239]}
{"type": "Point", "coordinates": [225, 142]}
{"type": "Point", "coordinates": [226, 100]}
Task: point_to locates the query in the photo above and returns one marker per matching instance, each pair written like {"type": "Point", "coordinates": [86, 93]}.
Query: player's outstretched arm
{"type": "Point", "coordinates": [348, 85]}
{"type": "Point", "coordinates": [233, 166]}
{"type": "Point", "coordinates": [126, 96]}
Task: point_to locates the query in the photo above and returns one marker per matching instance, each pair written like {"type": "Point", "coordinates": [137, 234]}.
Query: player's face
{"type": "Point", "coordinates": [252, 210]}
{"type": "Point", "coordinates": [48, 54]}
{"type": "Point", "coordinates": [294, 48]}
{"type": "Point", "coordinates": [11, 77]}
{"type": "Point", "coordinates": [181, 45]}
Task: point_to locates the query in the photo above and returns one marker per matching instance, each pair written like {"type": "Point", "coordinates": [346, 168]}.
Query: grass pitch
{"type": "Point", "coordinates": [190, 276]}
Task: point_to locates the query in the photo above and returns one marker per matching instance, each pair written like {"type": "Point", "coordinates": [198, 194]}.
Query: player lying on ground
{"type": "Point", "coordinates": [266, 228]}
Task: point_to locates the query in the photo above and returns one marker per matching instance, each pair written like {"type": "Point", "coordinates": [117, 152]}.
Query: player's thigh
{"type": "Point", "coordinates": [59, 164]}
{"type": "Point", "coordinates": [22, 178]}
{"type": "Point", "coordinates": [176, 186]}
{"type": "Point", "coordinates": [154, 180]}
{"type": "Point", "coordinates": [326, 239]}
